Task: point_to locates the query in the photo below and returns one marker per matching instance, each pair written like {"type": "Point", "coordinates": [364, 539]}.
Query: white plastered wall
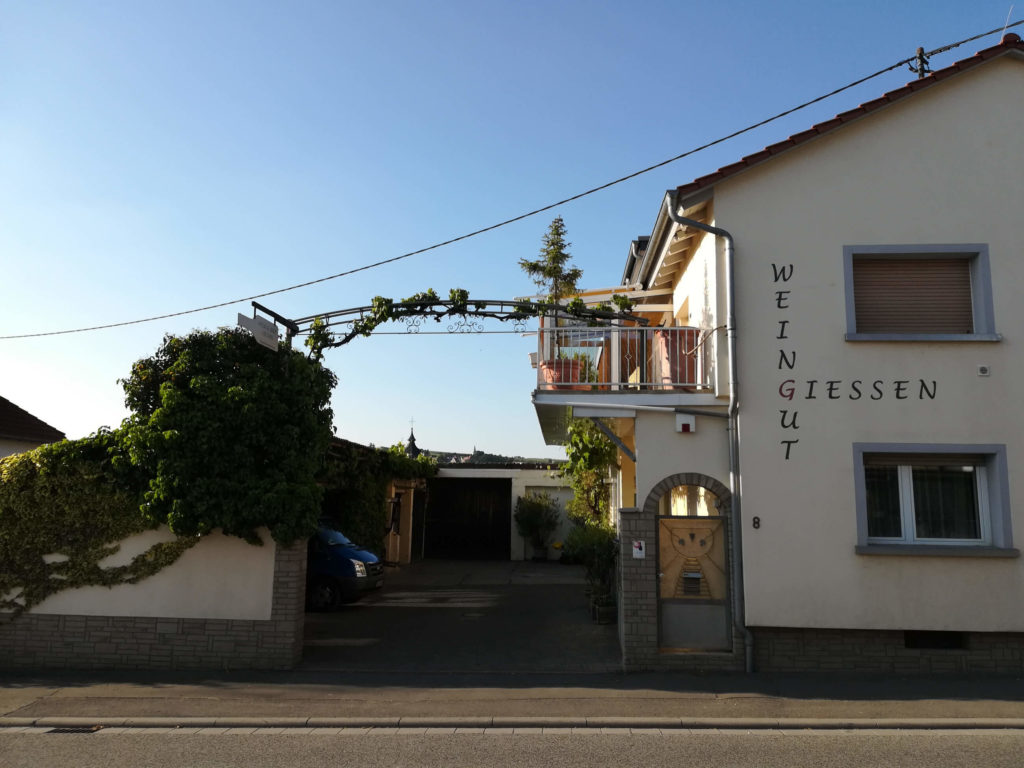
{"type": "Point", "coordinates": [938, 168]}
{"type": "Point", "coordinates": [696, 298]}
{"type": "Point", "coordinates": [221, 577]}
{"type": "Point", "coordinates": [11, 447]}
{"type": "Point", "coordinates": [662, 452]}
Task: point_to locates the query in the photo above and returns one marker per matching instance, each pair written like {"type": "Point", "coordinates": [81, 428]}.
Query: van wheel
{"type": "Point", "coordinates": [324, 595]}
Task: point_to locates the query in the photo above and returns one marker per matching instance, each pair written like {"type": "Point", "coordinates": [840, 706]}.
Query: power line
{"type": "Point", "coordinates": [528, 214]}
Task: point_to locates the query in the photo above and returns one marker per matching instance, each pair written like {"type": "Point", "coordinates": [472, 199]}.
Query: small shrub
{"type": "Point", "coordinates": [536, 518]}
{"type": "Point", "coordinates": [594, 545]}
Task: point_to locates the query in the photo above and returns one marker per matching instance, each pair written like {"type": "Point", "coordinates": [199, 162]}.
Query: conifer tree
{"type": "Point", "coordinates": [551, 271]}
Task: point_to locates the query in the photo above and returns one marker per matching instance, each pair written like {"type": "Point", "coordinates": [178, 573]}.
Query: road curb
{"type": "Point", "coordinates": [623, 723]}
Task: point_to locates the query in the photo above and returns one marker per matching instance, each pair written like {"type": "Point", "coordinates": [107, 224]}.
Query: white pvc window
{"type": "Point", "coordinates": [927, 504]}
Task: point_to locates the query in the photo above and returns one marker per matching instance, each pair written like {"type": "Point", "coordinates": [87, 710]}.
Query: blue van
{"type": "Point", "coordinates": [338, 571]}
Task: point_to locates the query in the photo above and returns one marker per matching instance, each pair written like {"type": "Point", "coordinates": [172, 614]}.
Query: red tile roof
{"type": "Point", "coordinates": [1010, 42]}
{"type": "Point", "coordinates": [18, 424]}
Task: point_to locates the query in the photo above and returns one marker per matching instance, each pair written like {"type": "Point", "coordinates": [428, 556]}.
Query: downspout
{"type": "Point", "coordinates": [733, 414]}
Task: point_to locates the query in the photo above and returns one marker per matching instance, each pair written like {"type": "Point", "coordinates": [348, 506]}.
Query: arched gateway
{"type": "Point", "coordinates": [692, 554]}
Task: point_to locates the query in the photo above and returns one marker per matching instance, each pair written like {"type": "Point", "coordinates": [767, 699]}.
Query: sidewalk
{"type": "Point", "coordinates": [492, 645]}
{"type": "Point", "coordinates": [653, 700]}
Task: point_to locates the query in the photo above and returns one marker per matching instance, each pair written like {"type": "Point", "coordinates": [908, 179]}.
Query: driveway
{"type": "Point", "coordinates": [464, 616]}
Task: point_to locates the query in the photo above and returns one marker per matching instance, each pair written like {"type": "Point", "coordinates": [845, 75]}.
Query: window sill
{"type": "Point", "coordinates": [936, 550]}
{"type": "Point", "coordinates": [924, 337]}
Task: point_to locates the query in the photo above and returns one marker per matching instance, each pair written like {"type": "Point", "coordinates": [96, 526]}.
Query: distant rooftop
{"type": "Point", "coordinates": [18, 424]}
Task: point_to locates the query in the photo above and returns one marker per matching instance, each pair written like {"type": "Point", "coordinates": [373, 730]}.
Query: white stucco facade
{"type": "Point", "coordinates": [879, 434]}
{"type": "Point", "coordinates": [10, 447]}
{"type": "Point", "coordinates": [881, 181]}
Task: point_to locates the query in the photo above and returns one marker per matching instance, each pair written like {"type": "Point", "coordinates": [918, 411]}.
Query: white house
{"type": "Point", "coordinates": [820, 436]}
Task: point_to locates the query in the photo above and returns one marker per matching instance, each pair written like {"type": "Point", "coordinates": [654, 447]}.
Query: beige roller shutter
{"type": "Point", "coordinates": [925, 459]}
{"type": "Point", "coordinates": [903, 295]}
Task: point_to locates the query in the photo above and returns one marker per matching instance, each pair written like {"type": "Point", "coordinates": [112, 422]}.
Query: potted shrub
{"type": "Point", "coordinates": [557, 280]}
{"type": "Point", "coordinates": [594, 545]}
{"type": "Point", "coordinates": [537, 517]}
{"type": "Point", "coordinates": [574, 371]}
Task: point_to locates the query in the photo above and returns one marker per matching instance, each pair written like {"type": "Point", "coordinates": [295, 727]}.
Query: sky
{"type": "Point", "coordinates": [157, 157]}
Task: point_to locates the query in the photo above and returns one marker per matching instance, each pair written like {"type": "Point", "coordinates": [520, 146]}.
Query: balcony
{"type": "Point", "coordinates": [621, 359]}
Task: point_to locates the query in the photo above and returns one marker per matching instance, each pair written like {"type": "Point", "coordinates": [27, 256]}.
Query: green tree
{"type": "Point", "coordinates": [551, 271]}
{"type": "Point", "coordinates": [230, 434]}
{"type": "Point", "coordinates": [589, 456]}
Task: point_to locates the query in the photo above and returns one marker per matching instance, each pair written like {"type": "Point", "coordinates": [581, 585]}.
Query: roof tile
{"type": "Point", "coordinates": [1010, 42]}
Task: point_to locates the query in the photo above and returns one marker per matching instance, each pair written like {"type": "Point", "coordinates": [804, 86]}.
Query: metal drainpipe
{"type": "Point", "coordinates": [734, 436]}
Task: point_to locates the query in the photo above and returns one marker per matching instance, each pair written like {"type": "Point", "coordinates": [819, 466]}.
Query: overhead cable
{"type": "Point", "coordinates": [528, 214]}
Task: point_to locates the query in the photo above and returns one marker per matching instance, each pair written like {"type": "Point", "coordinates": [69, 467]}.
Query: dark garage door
{"type": "Point", "coordinates": [468, 519]}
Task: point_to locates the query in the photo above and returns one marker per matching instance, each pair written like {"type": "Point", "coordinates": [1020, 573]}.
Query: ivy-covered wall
{"type": "Point", "coordinates": [355, 479]}
{"type": "Point", "coordinates": [63, 508]}
{"type": "Point", "coordinates": [224, 434]}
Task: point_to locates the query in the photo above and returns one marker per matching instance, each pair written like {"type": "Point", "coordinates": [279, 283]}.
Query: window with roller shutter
{"type": "Point", "coordinates": [918, 293]}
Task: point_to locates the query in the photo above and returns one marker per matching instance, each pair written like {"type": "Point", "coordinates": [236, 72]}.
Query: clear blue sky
{"type": "Point", "coordinates": [156, 157]}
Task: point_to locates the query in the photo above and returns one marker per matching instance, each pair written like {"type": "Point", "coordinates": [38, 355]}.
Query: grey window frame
{"type": "Point", "coordinates": [997, 511]}
{"type": "Point", "coordinates": [976, 254]}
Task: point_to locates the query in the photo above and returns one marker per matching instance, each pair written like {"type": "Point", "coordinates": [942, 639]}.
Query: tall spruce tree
{"type": "Point", "coordinates": [552, 272]}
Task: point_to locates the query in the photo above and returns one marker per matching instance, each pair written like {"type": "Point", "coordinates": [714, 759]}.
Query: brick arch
{"type": "Point", "coordinates": [688, 478]}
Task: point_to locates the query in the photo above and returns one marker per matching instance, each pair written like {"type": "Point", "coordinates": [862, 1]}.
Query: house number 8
{"type": "Point", "coordinates": [756, 522]}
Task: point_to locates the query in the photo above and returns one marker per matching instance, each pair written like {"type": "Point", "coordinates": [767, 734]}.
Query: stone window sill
{"type": "Point", "coordinates": [935, 550]}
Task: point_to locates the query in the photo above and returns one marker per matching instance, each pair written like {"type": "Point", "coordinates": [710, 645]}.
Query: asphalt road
{"type": "Point", "coordinates": [525, 747]}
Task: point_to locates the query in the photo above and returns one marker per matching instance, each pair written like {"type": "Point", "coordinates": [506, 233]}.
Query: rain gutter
{"type": "Point", "coordinates": [671, 204]}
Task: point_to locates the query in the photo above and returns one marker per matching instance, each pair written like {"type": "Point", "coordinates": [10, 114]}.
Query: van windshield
{"type": "Point", "coordinates": [334, 538]}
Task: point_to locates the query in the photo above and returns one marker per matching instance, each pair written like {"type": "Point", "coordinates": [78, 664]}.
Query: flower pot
{"type": "Point", "coordinates": [562, 374]}
{"type": "Point", "coordinates": [604, 613]}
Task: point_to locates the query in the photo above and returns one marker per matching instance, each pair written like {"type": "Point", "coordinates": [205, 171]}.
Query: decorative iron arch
{"type": "Point", "coordinates": [464, 314]}
{"type": "Point", "coordinates": [688, 478]}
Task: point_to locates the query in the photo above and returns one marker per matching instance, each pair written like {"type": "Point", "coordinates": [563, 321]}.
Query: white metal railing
{"type": "Point", "coordinates": [578, 357]}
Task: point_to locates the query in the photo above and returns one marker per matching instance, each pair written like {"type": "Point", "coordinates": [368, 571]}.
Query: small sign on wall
{"type": "Point", "coordinates": [639, 550]}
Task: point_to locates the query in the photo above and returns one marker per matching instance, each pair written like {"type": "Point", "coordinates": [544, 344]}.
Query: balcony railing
{"type": "Point", "coordinates": [576, 357]}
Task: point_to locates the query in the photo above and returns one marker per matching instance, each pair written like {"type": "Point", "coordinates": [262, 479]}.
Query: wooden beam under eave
{"type": "Point", "coordinates": [674, 259]}
{"type": "Point", "coordinates": [679, 244]}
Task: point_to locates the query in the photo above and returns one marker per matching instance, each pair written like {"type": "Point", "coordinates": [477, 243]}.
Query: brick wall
{"type": "Point", "coordinates": [37, 641]}
{"type": "Point", "coordinates": [638, 606]}
{"type": "Point", "coordinates": [874, 651]}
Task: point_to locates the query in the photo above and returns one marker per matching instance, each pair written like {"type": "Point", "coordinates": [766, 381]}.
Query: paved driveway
{"type": "Point", "coordinates": [458, 616]}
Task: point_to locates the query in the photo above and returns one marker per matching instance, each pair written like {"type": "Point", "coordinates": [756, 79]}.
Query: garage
{"type": "Point", "coordinates": [467, 518]}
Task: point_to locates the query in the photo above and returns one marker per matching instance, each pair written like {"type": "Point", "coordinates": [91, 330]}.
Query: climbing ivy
{"type": "Point", "coordinates": [224, 434]}
{"type": "Point", "coordinates": [356, 477]}
{"type": "Point", "coordinates": [429, 304]}
{"type": "Point", "coordinates": [63, 509]}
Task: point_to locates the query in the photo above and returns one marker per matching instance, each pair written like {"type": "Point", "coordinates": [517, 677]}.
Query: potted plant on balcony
{"type": "Point", "coordinates": [557, 280]}
{"type": "Point", "coordinates": [536, 519]}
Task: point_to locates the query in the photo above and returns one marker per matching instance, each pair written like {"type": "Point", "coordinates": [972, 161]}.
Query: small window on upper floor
{"type": "Point", "coordinates": [918, 293]}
